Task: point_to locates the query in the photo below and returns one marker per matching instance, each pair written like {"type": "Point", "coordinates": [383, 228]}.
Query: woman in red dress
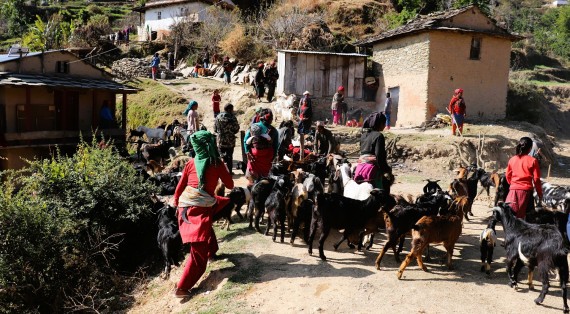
{"type": "Point", "coordinates": [195, 198]}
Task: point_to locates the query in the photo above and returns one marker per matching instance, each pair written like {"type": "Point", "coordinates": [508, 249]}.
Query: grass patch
{"type": "Point", "coordinates": [153, 105]}
{"type": "Point", "coordinates": [243, 270]}
{"type": "Point", "coordinates": [548, 83]}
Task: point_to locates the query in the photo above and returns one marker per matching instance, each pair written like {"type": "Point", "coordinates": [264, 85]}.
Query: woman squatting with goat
{"type": "Point", "coordinates": [195, 198]}
{"type": "Point", "coordinates": [372, 164]}
{"type": "Point", "coordinates": [522, 171]}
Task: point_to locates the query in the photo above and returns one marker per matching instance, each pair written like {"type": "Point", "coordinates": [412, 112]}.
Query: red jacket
{"type": "Point", "coordinates": [522, 172]}
{"type": "Point", "coordinates": [457, 105]}
{"type": "Point", "coordinates": [200, 227]}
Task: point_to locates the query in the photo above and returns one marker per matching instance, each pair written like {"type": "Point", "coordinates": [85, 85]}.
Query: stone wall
{"type": "Point", "coordinates": [403, 63]}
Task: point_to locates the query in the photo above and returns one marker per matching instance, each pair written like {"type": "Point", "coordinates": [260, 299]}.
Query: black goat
{"type": "Point", "coordinates": [259, 193]}
{"type": "Point", "coordinates": [168, 238]}
{"type": "Point", "coordinates": [487, 180]}
{"type": "Point", "coordinates": [431, 187]}
{"type": "Point", "coordinates": [400, 220]}
{"type": "Point", "coordinates": [487, 243]}
{"type": "Point", "coordinates": [157, 152]}
{"type": "Point", "coordinates": [339, 212]}
{"type": "Point", "coordinates": [552, 217]}
{"type": "Point", "coordinates": [275, 206]}
{"type": "Point", "coordinates": [533, 245]}
{"type": "Point", "coordinates": [167, 182]}
{"type": "Point", "coordinates": [237, 197]}
{"type": "Point", "coordinates": [319, 168]}
{"type": "Point", "coordinates": [244, 198]}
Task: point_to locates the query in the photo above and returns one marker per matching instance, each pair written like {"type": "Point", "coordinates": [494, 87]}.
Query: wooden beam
{"type": "Point", "coordinates": [124, 113]}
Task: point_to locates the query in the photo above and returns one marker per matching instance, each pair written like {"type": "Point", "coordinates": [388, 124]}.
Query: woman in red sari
{"type": "Point", "coordinates": [194, 197]}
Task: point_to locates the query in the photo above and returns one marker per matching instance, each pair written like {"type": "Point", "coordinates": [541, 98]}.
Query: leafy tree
{"type": "Point", "coordinates": [45, 36]}
{"type": "Point", "coordinates": [16, 14]}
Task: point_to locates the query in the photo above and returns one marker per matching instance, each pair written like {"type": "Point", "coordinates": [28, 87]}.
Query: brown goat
{"type": "Point", "coordinates": [154, 166]}
{"type": "Point", "coordinates": [434, 229]}
{"type": "Point", "coordinates": [461, 203]}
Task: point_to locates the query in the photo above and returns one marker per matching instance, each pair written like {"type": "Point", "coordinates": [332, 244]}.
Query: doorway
{"type": "Point", "coordinates": [395, 95]}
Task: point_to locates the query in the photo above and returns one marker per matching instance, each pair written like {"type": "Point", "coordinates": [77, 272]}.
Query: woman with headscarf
{"type": "Point", "coordinates": [336, 105]}
{"type": "Point", "coordinates": [305, 119]}
{"type": "Point", "coordinates": [261, 143]}
{"type": "Point", "coordinates": [523, 171]}
{"type": "Point", "coordinates": [457, 109]}
{"type": "Point", "coordinates": [372, 164]}
{"type": "Point", "coordinates": [196, 204]}
{"type": "Point", "coordinates": [191, 114]}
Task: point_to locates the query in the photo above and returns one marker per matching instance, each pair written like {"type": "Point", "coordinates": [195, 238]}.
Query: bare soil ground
{"type": "Point", "coordinates": [256, 275]}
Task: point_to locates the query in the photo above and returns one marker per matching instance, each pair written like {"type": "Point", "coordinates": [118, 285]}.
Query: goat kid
{"type": "Point", "coordinates": [400, 220]}
{"type": "Point", "coordinates": [434, 229]}
{"type": "Point", "coordinates": [275, 205]}
{"type": "Point", "coordinates": [168, 238]}
{"type": "Point", "coordinates": [487, 243]}
{"type": "Point", "coordinates": [533, 245]}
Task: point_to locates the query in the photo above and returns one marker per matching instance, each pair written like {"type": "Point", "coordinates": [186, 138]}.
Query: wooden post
{"type": "Point", "coordinates": [548, 176]}
{"type": "Point", "coordinates": [243, 155]}
{"type": "Point", "coordinates": [124, 113]}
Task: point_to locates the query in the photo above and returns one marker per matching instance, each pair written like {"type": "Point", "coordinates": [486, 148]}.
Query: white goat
{"type": "Point", "coordinates": [152, 134]}
{"type": "Point", "coordinates": [284, 105]}
{"type": "Point", "coordinates": [352, 189]}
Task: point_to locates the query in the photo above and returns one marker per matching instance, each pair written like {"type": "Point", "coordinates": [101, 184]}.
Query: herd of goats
{"type": "Point", "coordinates": [319, 193]}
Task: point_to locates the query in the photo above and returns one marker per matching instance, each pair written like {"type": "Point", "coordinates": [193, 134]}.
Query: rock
{"type": "Point", "coordinates": [128, 68]}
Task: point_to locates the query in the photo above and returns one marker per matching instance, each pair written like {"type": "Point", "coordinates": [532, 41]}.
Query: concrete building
{"type": "Point", "coordinates": [53, 98]}
{"type": "Point", "coordinates": [423, 62]}
{"type": "Point", "coordinates": [157, 16]}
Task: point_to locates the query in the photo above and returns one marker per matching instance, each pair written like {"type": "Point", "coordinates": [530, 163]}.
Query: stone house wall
{"type": "Point", "coordinates": [403, 62]}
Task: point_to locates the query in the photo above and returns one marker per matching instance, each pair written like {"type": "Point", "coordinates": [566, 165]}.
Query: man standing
{"type": "Point", "coordinates": [228, 68]}
{"type": "Point", "coordinates": [388, 110]}
{"type": "Point", "coordinates": [457, 109]}
{"type": "Point", "coordinates": [107, 119]}
{"type": "Point", "coordinates": [226, 126]}
{"type": "Point", "coordinates": [271, 77]}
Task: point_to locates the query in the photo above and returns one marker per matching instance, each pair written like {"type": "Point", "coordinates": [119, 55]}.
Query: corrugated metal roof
{"type": "Point", "coordinates": [14, 79]}
{"type": "Point", "coordinates": [6, 58]}
{"type": "Point", "coordinates": [323, 53]}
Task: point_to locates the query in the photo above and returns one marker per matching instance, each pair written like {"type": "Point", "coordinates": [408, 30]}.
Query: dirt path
{"type": "Point", "coordinates": [256, 275]}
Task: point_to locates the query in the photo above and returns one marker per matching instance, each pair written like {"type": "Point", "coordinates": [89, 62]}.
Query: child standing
{"type": "Point", "coordinates": [216, 99]}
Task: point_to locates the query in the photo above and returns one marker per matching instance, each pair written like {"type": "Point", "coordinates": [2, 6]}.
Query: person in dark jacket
{"type": "Point", "coordinates": [271, 77]}
{"type": "Point", "coordinates": [226, 126]}
{"type": "Point", "coordinates": [305, 119]}
{"type": "Point", "coordinates": [259, 82]}
{"type": "Point", "coordinates": [286, 132]}
{"type": "Point", "coordinates": [372, 163]}
{"type": "Point", "coordinates": [325, 142]}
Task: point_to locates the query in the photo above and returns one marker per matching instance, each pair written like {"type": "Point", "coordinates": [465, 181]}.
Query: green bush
{"type": "Point", "coordinates": [68, 225]}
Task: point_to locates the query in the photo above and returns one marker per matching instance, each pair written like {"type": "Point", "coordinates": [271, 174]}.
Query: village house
{"type": "Point", "coordinates": [422, 62]}
{"type": "Point", "coordinates": [54, 98]}
{"type": "Point", "coordinates": [559, 3]}
{"type": "Point", "coordinates": [157, 16]}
